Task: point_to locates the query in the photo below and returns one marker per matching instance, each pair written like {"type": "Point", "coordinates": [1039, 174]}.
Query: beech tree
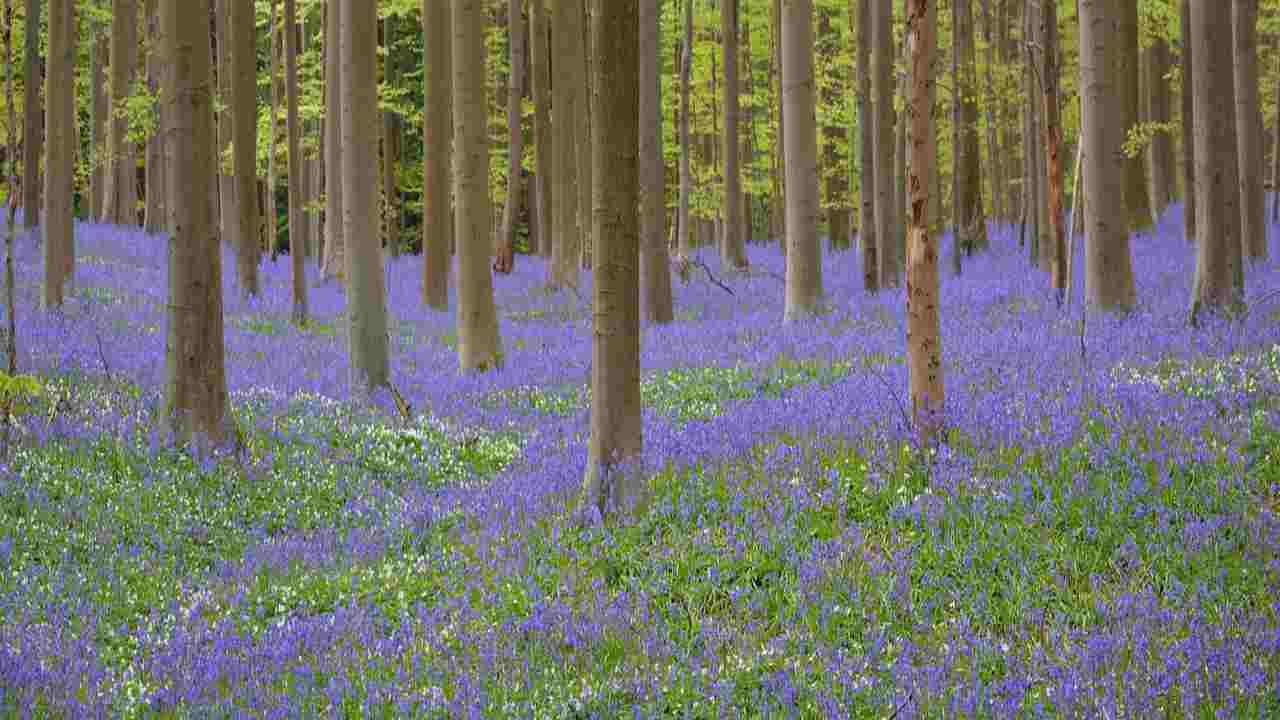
{"type": "Point", "coordinates": [1253, 229]}
{"type": "Point", "coordinates": [970, 225]}
{"type": "Point", "coordinates": [334, 262]}
{"type": "Point", "coordinates": [732, 255]}
{"type": "Point", "coordinates": [297, 232]}
{"type": "Point", "coordinates": [684, 241]}
{"type": "Point", "coordinates": [244, 102]}
{"type": "Point", "coordinates": [615, 339]}
{"type": "Point", "coordinates": [654, 262]}
{"type": "Point", "coordinates": [437, 139]}
{"type": "Point", "coordinates": [98, 122]}
{"type": "Point", "coordinates": [1188, 124]}
{"type": "Point", "coordinates": [505, 261]}
{"type": "Point", "coordinates": [154, 213]}
{"type": "Point", "coordinates": [1108, 269]}
{"type": "Point", "coordinates": [544, 182]}
{"type": "Point", "coordinates": [366, 294]}
{"type": "Point", "coordinates": [196, 403]}
{"type": "Point", "coordinates": [32, 116]}
{"type": "Point", "coordinates": [566, 33]}
{"type": "Point", "coordinates": [804, 254]}
{"type": "Point", "coordinates": [59, 118]}
{"type": "Point", "coordinates": [478, 343]}
{"type": "Point", "coordinates": [867, 152]}
{"type": "Point", "coordinates": [883, 148]}
{"type": "Point", "coordinates": [1136, 200]}
{"type": "Point", "coordinates": [1053, 149]}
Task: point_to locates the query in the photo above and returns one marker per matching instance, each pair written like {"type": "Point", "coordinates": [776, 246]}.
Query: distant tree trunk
{"type": "Point", "coordinates": [122, 190]}
{"type": "Point", "coordinates": [804, 255]}
{"type": "Point", "coordinates": [390, 145]}
{"type": "Point", "coordinates": [1053, 148]}
{"type": "Point", "coordinates": [334, 226]}
{"type": "Point", "coordinates": [227, 214]}
{"type": "Point", "coordinates": [966, 197]}
{"type": "Point", "coordinates": [437, 139]}
{"type": "Point", "coordinates": [684, 245]}
{"type": "Point", "coordinates": [924, 339]}
{"type": "Point", "coordinates": [1275, 163]}
{"type": "Point", "coordinates": [297, 233]}
{"type": "Point", "coordinates": [244, 102]}
{"type": "Point", "coordinates": [732, 254]}
{"type": "Point", "coordinates": [616, 431]}
{"type": "Point", "coordinates": [505, 260]}
{"type": "Point", "coordinates": [98, 57]}
{"type": "Point", "coordinates": [32, 119]}
{"type": "Point", "coordinates": [1032, 152]}
{"type": "Point", "coordinates": [544, 146]}
{"type": "Point", "coordinates": [1044, 240]}
{"type": "Point", "coordinates": [566, 33]}
{"type": "Point", "coordinates": [832, 187]}
{"type": "Point", "coordinates": [1188, 125]}
{"type": "Point", "coordinates": [900, 166]}
{"type": "Point", "coordinates": [1108, 269]}
{"type": "Point", "coordinates": [196, 404]}
{"type": "Point", "coordinates": [1253, 228]}
{"type": "Point", "coordinates": [778, 207]}
{"type": "Point", "coordinates": [366, 295]}
{"type": "Point", "coordinates": [1137, 204]}
{"type": "Point", "coordinates": [867, 152]}
{"type": "Point", "coordinates": [995, 165]}
{"type": "Point", "coordinates": [10, 347]}
{"type": "Point", "coordinates": [1219, 273]}
{"type": "Point", "coordinates": [882, 89]}
{"type": "Point", "coordinates": [479, 347]}
{"type": "Point", "coordinates": [154, 214]}
{"type": "Point", "coordinates": [586, 187]}
{"type": "Point", "coordinates": [1158, 111]}
{"type": "Point", "coordinates": [654, 262]}
{"type": "Point", "coordinates": [274, 26]}
{"type": "Point", "coordinates": [59, 244]}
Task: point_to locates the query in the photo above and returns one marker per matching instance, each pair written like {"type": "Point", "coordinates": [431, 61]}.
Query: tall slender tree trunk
{"type": "Point", "coordinates": [1137, 203]}
{"type": "Point", "coordinates": [567, 101]}
{"type": "Point", "coordinates": [1275, 162]}
{"type": "Point", "coordinates": [900, 164]}
{"type": "Point", "coordinates": [437, 140]}
{"type": "Point", "coordinates": [274, 25]}
{"type": "Point", "coordinates": [1158, 111]}
{"type": "Point", "coordinates": [971, 227]}
{"type": "Point", "coordinates": [1108, 269]}
{"type": "Point", "coordinates": [32, 118]}
{"type": "Point", "coordinates": [366, 294]}
{"type": "Point", "coordinates": [654, 263]}
{"type": "Point", "coordinates": [505, 261]}
{"type": "Point", "coordinates": [732, 255]}
{"type": "Point", "coordinates": [227, 222]}
{"type": "Point", "coordinates": [684, 245]}
{"type": "Point", "coordinates": [1053, 148]}
{"type": "Point", "coordinates": [297, 232]}
{"type": "Point", "coordinates": [1253, 228]}
{"type": "Point", "coordinates": [804, 256]}
{"type": "Point", "coordinates": [122, 189]}
{"type": "Point", "coordinates": [196, 404]}
{"type": "Point", "coordinates": [778, 216]}
{"type": "Point", "coordinates": [866, 152]}
{"type": "Point", "coordinates": [154, 213]}
{"type": "Point", "coordinates": [882, 89]}
{"type": "Point", "coordinates": [10, 347]}
{"type": "Point", "coordinates": [1188, 125]}
{"type": "Point", "coordinates": [334, 227]}
{"type": "Point", "coordinates": [244, 103]}
{"type": "Point", "coordinates": [995, 165]}
{"type": "Point", "coordinates": [479, 347]}
{"type": "Point", "coordinates": [540, 54]}
{"type": "Point", "coordinates": [98, 124]}
{"type": "Point", "coordinates": [586, 187]}
{"type": "Point", "coordinates": [924, 338]}
{"type": "Point", "coordinates": [390, 145]}
{"type": "Point", "coordinates": [834, 175]}
{"type": "Point", "coordinates": [616, 431]}
{"type": "Point", "coordinates": [59, 245]}
{"type": "Point", "coordinates": [1219, 273]}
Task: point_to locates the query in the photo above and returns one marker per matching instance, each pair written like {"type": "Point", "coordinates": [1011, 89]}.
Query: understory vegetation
{"type": "Point", "coordinates": [1095, 536]}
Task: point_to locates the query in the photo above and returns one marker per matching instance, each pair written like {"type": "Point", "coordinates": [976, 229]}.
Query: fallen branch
{"type": "Point", "coordinates": [682, 266]}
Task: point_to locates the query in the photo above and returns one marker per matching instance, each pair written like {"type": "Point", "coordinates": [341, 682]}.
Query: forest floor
{"type": "Point", "coordinates": [1097, 537]}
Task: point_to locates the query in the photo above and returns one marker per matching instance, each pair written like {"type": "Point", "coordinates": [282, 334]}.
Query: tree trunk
{"type": "Point", "coordinates": [333, 262]}
{"type": "Point", "coordinates": [59, 244]}
{"type": "Point", "coordinates": [297, 233]}
{"type": "Point", "coordinates": [966, 197]}
{"type": "Point", "coordinates": [1219, 273]}
{"type": "Point", "coordinates": [1158, 111]}
{"type": "Point", "coordinates": [274, 26]}
{"type": "Point", "coordinates": [1137, 203]}
{"type": "Point", "coordinates": [616, 430]}
{"type": "Point", "coordinates": [32, 119]}
{"type": "Point", "coordinates": [566, 98]}
{"type": "Point", "coordinates": [778, 214]}
{"type": "Point", "coordinates": [154, 213]}
{"type": "Point", "coordinates": [122, 191]}
{"type": "Point", "coordinates": [866, 152]}
{"type": "Point", "coordinates": [540, 53]}
{"type": "Point", "coordinates": [390, 149]}
{"type": "Point", "coordinates": [227, 222]}
{"type": "Point", "coordinates": [1188, 126]}
{"type": "Point", "coordinates": [833, 172]}
{"type": "Point", "coordinates": [244, 82]}
{"type": "Point", "coordinates": [995, 168]}
{"type": "Point", "coordinates": [684, 245]}
{"type": "Point", "coordinates": [505, 261]}
{"type": "Point", "coordinates": [924, 339]}
{"type": "Point", "coordinates": [1253, 229]}
{"type": "Point", "coordinates": [1108, 269]}
{"type": "Point", "coordinates": [437, 141]}
{"type": "Point", "coordinates": [479, 347]}
{"type": "Point", "coordinates": [732, 255]}
{"type": "Point", "coordinates": [1052, 139]}
{"type": "Point", "coordinates": [366, 297]}
{"type": "Point", "coordinates": [98, 124]}
{"type": "Point", "coordinates": [883, 147]}
{"type": "Point", "coordinates": [1275, 162]}
{"type": "Point", "coordinates": [196, 404]}
{"type": "Point", "coordinates": [585, 186]}
{"type": "Point", "coordinates": [655, 265]}
{"type": "Point", "coordinates": [10, 347]}
{"type": "Point", "coordinates": [804, 255]}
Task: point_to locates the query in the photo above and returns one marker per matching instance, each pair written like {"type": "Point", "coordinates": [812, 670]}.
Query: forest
{"type": "Point", "coordinates": [640, 358]}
